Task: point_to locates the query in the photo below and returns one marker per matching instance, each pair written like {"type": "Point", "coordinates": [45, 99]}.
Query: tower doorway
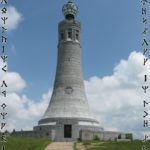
{"type": "Point", "coordinates": [67, 131]}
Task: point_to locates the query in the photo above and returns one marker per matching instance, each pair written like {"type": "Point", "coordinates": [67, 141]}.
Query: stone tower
{"type": "Point", "coordinates": [68, 111]}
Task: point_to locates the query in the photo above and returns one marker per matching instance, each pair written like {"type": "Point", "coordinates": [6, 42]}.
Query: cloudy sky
{"type": "Point", "coordinates": [111, 58]}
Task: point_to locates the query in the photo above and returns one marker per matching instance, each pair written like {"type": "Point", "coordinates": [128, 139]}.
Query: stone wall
{"type": "Point", "coordinates": [87, 135]}
{"type": "Point", "coordinates": [36, 134]}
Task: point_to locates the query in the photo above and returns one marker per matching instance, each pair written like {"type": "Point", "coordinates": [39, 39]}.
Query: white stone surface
{"type": "Point", "coordinates": [68, 99]}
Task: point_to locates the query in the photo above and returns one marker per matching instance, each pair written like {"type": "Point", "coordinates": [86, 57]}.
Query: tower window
{"type": "Point", "coordinates": [69, 33]}
{"type": "Point", "coordinates": [62, 36]}
{"type": "Point", "coordinates": [77, 35]}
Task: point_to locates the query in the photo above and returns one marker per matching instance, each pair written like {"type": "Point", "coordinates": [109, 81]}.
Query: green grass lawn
{"type": "Point", "coordinates": [25, 143]}
{"type": "Point", "coordinates": [135, 145]}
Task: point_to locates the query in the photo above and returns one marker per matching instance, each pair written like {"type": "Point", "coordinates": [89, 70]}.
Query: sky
{"type": "Point", "coordinates": [111, 60]}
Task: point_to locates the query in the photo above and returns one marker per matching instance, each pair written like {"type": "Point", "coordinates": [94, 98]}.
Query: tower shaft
{"type": "Point", "coordinates": [68, 98]}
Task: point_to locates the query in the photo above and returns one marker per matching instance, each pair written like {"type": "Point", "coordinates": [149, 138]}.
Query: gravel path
{"type": "Point", "coordinates": [60, 146]}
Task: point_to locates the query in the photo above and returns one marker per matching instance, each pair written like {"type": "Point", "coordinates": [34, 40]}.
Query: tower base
{"type": "Point", "coordinates": [66, 129]}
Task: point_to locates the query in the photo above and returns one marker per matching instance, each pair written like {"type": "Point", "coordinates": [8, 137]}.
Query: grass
{"type": "Point", "coordinates": [25, 143]}
{"type": "Point", "coordinates": [134, 145]}
{"type": "Point", "coordinates": [75, 146]}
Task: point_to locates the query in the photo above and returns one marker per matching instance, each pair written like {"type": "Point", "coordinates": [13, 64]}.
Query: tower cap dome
{"type": "Point", "coordinates": [70, 10]}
